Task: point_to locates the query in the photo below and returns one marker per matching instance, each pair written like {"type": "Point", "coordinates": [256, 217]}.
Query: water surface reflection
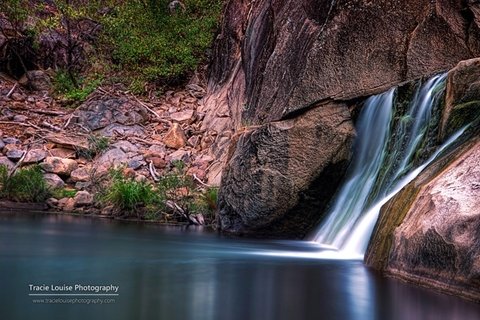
{"type": "Point", "coordinates": [174, 273]}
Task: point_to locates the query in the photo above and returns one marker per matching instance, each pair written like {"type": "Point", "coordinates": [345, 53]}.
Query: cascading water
{"type": "Point", "coordinates": [382, 164]}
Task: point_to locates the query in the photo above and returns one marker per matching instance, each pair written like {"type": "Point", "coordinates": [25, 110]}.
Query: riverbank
{"type": "Point", "coordinates": [113, 155]}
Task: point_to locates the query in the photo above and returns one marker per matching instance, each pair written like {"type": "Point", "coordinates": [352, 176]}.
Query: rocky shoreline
{"type": "Point", "coordinates": [77, 147]}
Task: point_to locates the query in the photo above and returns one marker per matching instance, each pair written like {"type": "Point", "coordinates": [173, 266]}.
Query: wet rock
{"type": "Point", "coordinates": [462, 101]}
{"type": "Point", "coordinates": [34, 156]}
{"type": "Point", "coordinates": [2, 144]}
{"type": "Point", "coordinates": [83, 198]}
{"type": "Point", "coordinates": [52, 202]}
{"type": "Point", "coordinates": [68, 204]}
{"type": "Point", "coordinates": [59, 166]}
{"type": "Point", "coordinates": [270, 38]}
{"type": "Point", "coordinates": [175, 137]}
{"type": "Point", "coordinates": [54, 181]}
{"type": "Point", "coordinates": [107, 211]}
{"type": "Point", "coordinates": [428, 233]}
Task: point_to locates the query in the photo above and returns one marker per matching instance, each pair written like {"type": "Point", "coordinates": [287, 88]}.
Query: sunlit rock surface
{"type": "Point", "coordinates": [437, 243]}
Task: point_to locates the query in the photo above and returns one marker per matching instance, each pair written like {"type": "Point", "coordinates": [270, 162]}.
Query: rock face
{"type": "Point", "coordinates": [276, 172]}
{"type": "Point", "coordinates": [276, 59]}
{"type": "Point", "coordinates": [437, 243]}
{"type": "Point", "coordinates": [288, 55]}
{"type": "Point", "coordinates": [462, 105]}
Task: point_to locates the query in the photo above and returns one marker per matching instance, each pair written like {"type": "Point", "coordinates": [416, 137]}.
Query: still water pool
{"type": "Point", "coordinates": [189, 273]}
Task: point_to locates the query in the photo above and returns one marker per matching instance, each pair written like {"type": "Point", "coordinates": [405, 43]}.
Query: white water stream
{"type": "Point", "coordinates": [377, 174]}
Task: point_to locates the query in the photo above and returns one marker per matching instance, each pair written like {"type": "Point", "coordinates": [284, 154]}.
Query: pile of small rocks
{"type": "Point", "coordinates": [143, 138]}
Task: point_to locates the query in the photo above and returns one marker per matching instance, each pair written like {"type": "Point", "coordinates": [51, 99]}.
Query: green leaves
{"type": "Point", "coordinates": [26, 185]}
{"type": "Point", "coordinates": [158, 46]}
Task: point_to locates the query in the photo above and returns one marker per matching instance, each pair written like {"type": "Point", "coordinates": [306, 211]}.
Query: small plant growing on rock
{"type": "Point", "coordinates": [25, 185]}
{"type": "Point", "coordinates": [96, 145]}
{"type": "Point", "coordinates": [210, 198]}
{"type": "Point", "coordinates": [128, 195]}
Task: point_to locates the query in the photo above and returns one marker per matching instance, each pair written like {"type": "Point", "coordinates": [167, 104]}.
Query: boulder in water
{"type": "Point", "coordinates": [280, 176]}
{"type": "Point", "coordinates": [428, 233]}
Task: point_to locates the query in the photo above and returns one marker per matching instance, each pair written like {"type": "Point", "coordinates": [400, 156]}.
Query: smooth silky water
{"type": "Point", "coordinates": [178, 273]}
{"type": "Point", "coordinates": [384, 161]}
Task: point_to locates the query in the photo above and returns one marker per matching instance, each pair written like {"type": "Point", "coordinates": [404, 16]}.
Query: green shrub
{"type": "Point", "coordinates": [176, 186]}
{"type": "Point", "coordinates": [128, 195]}
{"type": "Point", "coordinates": [26, 185]}
{"type": "Point", "coordinates": [64, 86]}
{"type": "Point", "coordinates": [210, 198]}
{"type": "Point", "coordinates": [158, 46]}
{"type": "Point", "coordinates": [64, 193]}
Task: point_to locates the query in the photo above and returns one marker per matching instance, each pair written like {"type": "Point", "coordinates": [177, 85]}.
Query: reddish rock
{"type": "Point", "coordinates": [175, 137]}
{"type": "Point", "coordinates": [62, 153]}
{"type": "Point", "coordinates": [80, 175]}
{"type": "Point", "coordinates": [159, 163]}
{"type": "Point", "coordinates": [54, 181]}
{"type": "Point", "coordinates": [59, 166]}
{"type": "Point", "coordinates": [83, 198]}
{"type": "Point", "coordinates": [183, 116]}
{"type": "Point", "coordinates": [280, 176]}
{"type": "Point", "coordinates": [4, 161]}
{"type": "Point", "coordinates": [428, 234]}
{"type": "Point", "coordinates": [462, 101]}
{"type": "Point", "coordinates": [34, 156]}
{"type": "Point", "coordinates": [113, 157]}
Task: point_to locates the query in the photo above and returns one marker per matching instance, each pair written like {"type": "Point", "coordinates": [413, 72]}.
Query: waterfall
{"type": "Point", "coordinates": [383, 163]}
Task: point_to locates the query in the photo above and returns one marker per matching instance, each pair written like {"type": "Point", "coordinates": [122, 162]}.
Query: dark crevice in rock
{"type": "Point", "coordinates": [311, 206]}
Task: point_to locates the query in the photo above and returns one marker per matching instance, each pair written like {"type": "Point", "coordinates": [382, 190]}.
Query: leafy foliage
{"type": "Point", "coordinates": [127, 194]}
{"type": "Point", "coordinates": [75, 92]}
{"type": "Point", "coordinates": [159, 46]}
{"type": "Point", "coordinates": [26, 185]}
{"type": "Point", "coordinates": [64, 193]}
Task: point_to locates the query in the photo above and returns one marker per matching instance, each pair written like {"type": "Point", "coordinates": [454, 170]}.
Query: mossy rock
{"type": "Point", "coordinates": [462, 115]}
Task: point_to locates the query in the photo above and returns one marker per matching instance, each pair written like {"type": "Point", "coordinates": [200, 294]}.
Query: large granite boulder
{"type": "Point", "coordinates": [429, 232]}
{"type": "Point", "coordinates": [273, 60]}
{"type": "Point", "coordinates": [280, 176]}
{"type": "Point", "coordinates": [288, 54]}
